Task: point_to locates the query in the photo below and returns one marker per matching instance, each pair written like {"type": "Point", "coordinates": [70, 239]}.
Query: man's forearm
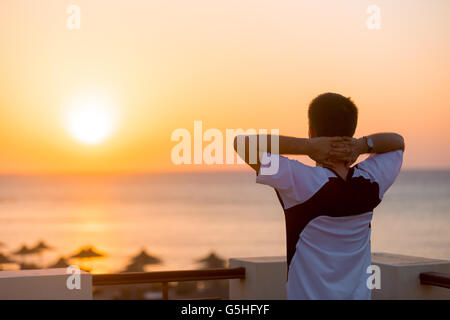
{"type": "Point", "coordinates": [324, 150]}
{"type": "Point", "coordinates": [286, 145]}
{"type": "Point", "coordinates": [274, 144]}
{"type": "Point", "coordinates": [382, 142]}
{"type": "Point", "coordinates": [321, 149]}
{"type": "Point", "coordinates": [249, 147]}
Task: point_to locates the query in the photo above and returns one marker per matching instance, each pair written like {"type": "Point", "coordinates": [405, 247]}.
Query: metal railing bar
{"type": "Point", "coordinates": [435, 279]}
{"type": "Point", "coordinates": [167, 276]}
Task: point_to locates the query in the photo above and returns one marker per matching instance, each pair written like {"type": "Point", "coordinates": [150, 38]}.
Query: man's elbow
{"type": "Point", "coordinates": [241, 139]}
{"type": "Point", "coordinates": [401, 142]}
{"type": "Point", "coordinates": [235, 143]}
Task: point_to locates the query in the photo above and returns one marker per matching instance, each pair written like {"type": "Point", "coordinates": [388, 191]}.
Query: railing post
{"type": "Point", "coordinates": [265, 278]}
{"type": "Point", "coordinates": [165, 290]}
{"type": "Point", "coordinates": [400, 277]}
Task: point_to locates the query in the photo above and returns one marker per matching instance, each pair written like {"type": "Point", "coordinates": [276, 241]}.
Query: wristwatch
{"type": "Point", "coordinates": [369, 143]}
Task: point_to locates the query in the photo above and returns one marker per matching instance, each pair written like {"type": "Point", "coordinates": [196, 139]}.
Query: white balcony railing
{"type": "Point", "coordinates": [402, 277]}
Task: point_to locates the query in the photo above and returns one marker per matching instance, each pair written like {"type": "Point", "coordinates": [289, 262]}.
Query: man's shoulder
{"type": "Point", "coordinates": [382, 161]}
{"type": "Point", "coordinates": [295, 182]}
{"type": "Point", "coordinates": [382, 168]}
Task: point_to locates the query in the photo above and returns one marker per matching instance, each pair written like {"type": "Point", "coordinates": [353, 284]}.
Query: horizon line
{"type": "Point", "coordinates": [155, 172]}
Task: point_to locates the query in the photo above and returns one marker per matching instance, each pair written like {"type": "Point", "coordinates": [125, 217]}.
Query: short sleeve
{"type": "Point", "coordinates": [294, 181]}
{"type": "Point", "coordinates": [383, 168]}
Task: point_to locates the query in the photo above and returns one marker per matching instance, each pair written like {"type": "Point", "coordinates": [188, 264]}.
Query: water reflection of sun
{"type": "Point", "coordinates": [92, 227]}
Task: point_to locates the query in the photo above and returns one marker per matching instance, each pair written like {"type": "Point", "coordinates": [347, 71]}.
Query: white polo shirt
{"type": "Point", "coordinates": [328, 223]}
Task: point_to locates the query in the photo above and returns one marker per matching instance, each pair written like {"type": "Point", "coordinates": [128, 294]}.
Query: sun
{"type": "Point", "coordinates": [91, 119]}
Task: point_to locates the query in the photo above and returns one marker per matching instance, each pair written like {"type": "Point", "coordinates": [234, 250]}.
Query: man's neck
{"type": "Point", "coordinates": [339, 168]}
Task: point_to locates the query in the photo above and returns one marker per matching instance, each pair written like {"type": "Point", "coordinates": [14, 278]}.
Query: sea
{"type": "Point", "coordinates": [183, 217]}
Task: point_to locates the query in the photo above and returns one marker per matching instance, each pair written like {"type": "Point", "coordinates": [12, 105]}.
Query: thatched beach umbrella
{"type": "Point", "coordinates": [212, 261]}
{"type": "Point", "coordinates": [4, 259]}
{"type": "Point", "coordinates": [61, 263]}
{"type": "Point", "coordinates": [134, 267]}
{"type": "Point", "coordinates": [28, 266]}
{"type": "Point", "coordinates": [87, 253]}
{"type": "Point", "coordinates": [41, 246]}
{"type": "Point", "coordinates": [139, 261]}
{"type": "Point", "coordinates": [32, 251]}
{"type": "Point", "coordinates": [23, 251]}
{"type": "Point", "coordinates": [144, 259]}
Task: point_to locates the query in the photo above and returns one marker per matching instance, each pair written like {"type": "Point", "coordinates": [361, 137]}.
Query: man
{"type": "Point", "coordinates": [328, 208]}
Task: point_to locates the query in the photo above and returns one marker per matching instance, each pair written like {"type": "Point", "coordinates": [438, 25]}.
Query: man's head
{"type": "Point", "coordinates": [331, 115]}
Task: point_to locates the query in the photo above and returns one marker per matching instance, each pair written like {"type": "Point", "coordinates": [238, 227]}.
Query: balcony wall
{"type": "Point", "coordinates": [49, 284]}
{"type": "Point", "coordinates": [265, 277]}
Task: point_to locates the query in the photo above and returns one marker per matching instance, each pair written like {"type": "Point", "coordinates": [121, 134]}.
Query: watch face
{"type": "Point", "coordinates": [370, 143]}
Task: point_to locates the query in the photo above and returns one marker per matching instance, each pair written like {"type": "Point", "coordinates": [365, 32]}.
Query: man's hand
{"type": "Point", "coordinates": [326, 151]}
{"type": "Point", "coordinates": [354, 148]}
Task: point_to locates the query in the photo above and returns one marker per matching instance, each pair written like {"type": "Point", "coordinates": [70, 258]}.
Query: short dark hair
{"type": "Point", "coordinates": [331, 115]}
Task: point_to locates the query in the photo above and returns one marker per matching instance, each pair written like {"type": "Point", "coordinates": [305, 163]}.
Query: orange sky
{"type": "Point", "coordinates": [231, 64]}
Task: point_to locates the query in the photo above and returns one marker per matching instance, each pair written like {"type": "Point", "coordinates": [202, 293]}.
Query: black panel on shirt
{"type": "Point", "coordinates": [337, 198]}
